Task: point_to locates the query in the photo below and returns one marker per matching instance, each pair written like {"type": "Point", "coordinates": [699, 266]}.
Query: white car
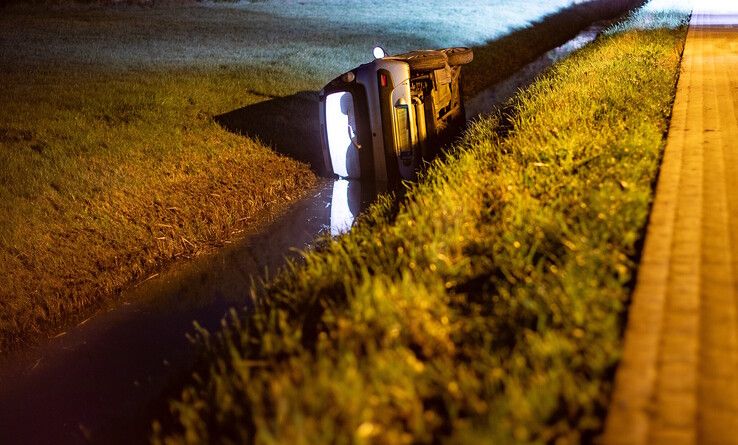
{"type": "Point", "coordinates": [381, 119]}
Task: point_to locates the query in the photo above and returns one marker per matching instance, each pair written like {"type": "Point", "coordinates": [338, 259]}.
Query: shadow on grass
{"type": "Point", "coordinates": [291, 125]}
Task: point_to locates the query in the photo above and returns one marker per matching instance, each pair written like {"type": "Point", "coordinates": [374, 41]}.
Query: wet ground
{"type": "Point", "coordinates": [100, 380]}
{"type": "Point", "coordinates": [93, 381]}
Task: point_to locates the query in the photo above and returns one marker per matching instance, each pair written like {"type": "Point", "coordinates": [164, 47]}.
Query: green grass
{"type": "Point", "coordinates": [107, 177]}
{"type": "Point", "coordinates": [486, 308]}
{"type": "Point", "coordinates": [112, 166]}
{"type": "Point", "coordinates": [492, 62]}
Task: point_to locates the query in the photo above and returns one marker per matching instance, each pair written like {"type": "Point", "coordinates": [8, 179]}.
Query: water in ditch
{"type": "Point", "coordinates": [98, 376]}
{"type": "Point", "coordinates": [99, 381]}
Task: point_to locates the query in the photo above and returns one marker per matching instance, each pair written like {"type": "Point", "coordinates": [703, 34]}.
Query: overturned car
{"type": "Point", "coordinates": [381, 119]}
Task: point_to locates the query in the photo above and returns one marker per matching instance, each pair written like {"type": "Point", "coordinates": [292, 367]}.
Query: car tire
{"type": "Point", "coordinates": [424, 60]}
{"type": "Point", "coordinates": [458, 56]}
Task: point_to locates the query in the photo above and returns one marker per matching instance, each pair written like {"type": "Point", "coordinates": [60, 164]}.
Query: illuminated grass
{"type": "Point", "coordinates": [108, 176]}
{"type": "Point", "coordinates": [111, 163]}
{"type": "Point", "coordinates": [489, 308]}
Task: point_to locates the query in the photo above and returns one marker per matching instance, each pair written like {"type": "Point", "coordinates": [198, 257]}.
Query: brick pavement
{"type": "Point", "coordinates": [678, 380]}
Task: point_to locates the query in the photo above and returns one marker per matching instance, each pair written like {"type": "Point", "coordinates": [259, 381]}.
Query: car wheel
{"type": "Point", "coordinates": [424, 60]}
{"type": "Point", "coordinates": [458, 56]}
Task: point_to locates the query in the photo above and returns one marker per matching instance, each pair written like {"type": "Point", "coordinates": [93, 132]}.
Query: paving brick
{"type": "Point", "coordinates": [678, 380]}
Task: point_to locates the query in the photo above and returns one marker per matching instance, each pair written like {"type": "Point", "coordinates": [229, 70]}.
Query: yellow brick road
{"type": "Point", "coordinates": [678, 380]}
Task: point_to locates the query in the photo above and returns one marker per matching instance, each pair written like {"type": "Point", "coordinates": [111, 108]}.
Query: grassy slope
{"type": "Point", "coordinates": [489, 308]}
{"type": "Point", "coordinates": [107, 177]}
{"type": "Point", "coordinates": [112, 165]}
{"type": "Point", "coordinates": [492, 61]}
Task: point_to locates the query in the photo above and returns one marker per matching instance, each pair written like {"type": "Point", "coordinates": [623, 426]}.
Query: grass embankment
{"type": "Point", "coordinates": [108, 176]}
{"type": "Point", "coordinates": [111, 164]}
{"type": "Point", "coordinates": [489, 308]}
{"type": "Point", "coordinates": [493, 64]}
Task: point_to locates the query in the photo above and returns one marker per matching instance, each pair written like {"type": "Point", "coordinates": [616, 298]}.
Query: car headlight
{"type": "Point", "coordinates": [343, 142]}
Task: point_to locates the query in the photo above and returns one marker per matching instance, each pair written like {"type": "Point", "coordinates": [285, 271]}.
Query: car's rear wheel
{"type": "Point", "coordinates": [458, 56]}
{"type": "Point", "coordinates": [424, 60]}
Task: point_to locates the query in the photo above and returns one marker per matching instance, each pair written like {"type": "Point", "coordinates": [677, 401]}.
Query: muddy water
{"type": "Point", "coordinates": [100, 381]}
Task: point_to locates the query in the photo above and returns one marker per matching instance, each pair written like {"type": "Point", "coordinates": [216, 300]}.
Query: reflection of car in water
{"type": "Point", "coordinates": [346, 203]}
{"type": "Point", "coordinates": [380, 120]}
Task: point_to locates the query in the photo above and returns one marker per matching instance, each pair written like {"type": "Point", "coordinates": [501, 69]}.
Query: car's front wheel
{"type": "Point", "coordinates": [424, 60]}
{"type": "Point", "coordinates": [458, 55]}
